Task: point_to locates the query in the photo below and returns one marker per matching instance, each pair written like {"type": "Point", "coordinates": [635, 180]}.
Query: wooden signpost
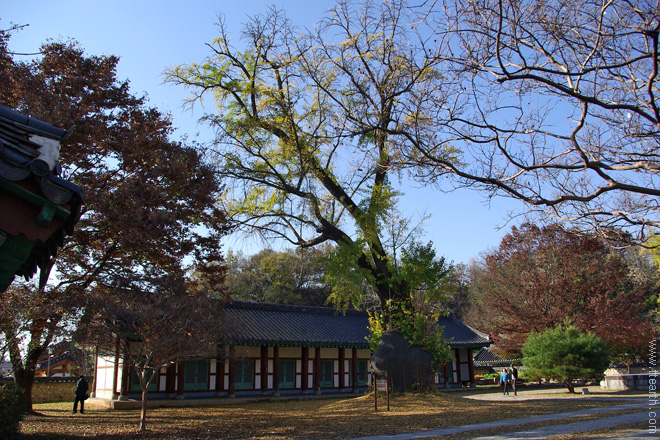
{"type": "Point", "coordinates": [381, 383]}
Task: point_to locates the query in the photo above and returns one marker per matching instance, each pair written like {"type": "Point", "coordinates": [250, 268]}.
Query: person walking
{"type": "Point", "coordinates": [504, 380]}
{"type": "Point", "coordinates": [513, 373]}
{"type": "Point", "coordinates": [81, 395]}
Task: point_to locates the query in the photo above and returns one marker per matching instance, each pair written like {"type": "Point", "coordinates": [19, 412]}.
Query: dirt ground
{"type": "Point", "coordinates": [340, 418]}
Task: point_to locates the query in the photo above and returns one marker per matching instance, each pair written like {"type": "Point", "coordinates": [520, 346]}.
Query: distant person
{"type": "Point", "coordinates": [81, 395]}
{"type": "Point", "coordinates": [514, 377]}
{"type": "Point", "coordinates": [504, 380]}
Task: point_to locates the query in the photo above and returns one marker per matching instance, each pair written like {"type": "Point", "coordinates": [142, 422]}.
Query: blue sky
{"type": "Point", "coordinates": [150, 36]}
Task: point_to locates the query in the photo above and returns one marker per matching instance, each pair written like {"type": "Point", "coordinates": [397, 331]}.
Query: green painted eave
{"type": "Point", "coordinates": [48, 210]}
{"type": "Point", "coordinates": [14, 251]}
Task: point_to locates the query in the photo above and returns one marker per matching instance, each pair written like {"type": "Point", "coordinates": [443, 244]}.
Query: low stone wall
{"type": "Point", "coordinates": [626, 382]}
{"type": "Point", "coordinates": [55, 389]}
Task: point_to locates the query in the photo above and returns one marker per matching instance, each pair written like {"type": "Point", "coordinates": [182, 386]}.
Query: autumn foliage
{"type": "Point", "coordinates": [539, 277]}
{"type": "Point", "coordinates": [150, 201]}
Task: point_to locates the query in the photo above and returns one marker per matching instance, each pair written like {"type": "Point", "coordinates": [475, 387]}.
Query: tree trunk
{"type": "Point", "coordinates": [24, 378]}
{"type": "Point", "coordinates": [24, 372]}
{"type": "Point", "coordinates": [569, 385]}
{"type": "Point", "coordinates": [25, 366]}
{"type": "Point", "coordinates": [143, 411]}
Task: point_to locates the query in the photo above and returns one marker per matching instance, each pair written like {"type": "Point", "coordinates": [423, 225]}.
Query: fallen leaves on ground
{"type": "Point", "coordinates": [339, 418]}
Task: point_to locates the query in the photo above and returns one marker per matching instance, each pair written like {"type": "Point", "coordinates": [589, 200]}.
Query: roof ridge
{"type": "Point", "coordinates": [291, 308]}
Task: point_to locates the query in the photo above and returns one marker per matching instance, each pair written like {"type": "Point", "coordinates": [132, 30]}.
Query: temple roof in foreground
{"type": "Point", "coordinates": [38, 207]}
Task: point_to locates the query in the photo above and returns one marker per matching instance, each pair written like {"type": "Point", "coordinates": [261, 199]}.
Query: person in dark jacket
{"type": "Point", "coordinates": [513, 377]}
{"type": "Point", "coordinates": [81, 395]}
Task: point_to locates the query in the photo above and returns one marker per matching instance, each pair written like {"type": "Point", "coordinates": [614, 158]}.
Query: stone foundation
{"type": "Point", "coordinates": [627, 382]}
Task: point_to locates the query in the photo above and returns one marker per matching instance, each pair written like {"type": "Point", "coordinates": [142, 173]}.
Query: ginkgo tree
{"type": "Point", "coordinates": [311, 126]}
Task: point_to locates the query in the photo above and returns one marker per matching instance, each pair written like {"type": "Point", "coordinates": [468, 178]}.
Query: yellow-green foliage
{"type": "Point", "coordinates": [421, 330]}
{"type": "Point", "coordinates": [348, 281]}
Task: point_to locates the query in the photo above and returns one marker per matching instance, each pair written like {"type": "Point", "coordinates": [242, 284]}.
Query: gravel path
{"type": "Point", "coordinates": [562, 427]}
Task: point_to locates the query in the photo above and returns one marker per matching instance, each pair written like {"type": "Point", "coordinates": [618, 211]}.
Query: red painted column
{"type": "Point", "coordinates": [304, 380]}
{"type": "Point", "coordinates": [180, 380]}
{"type": "Point", "coordinates": [354, 372]}
{"type": "Point", "coordinates": [276, 371]}
{"type": "Point", "coordinates": [342, 369]}
{"type": "Point", "coordinates": [471, 367]}
{"type": "Point", "coordinates": [170, 382]}
{"type": "Point", "coordinates": [232, 373]}
{"type": "Point", "coordinates": [125, 380]}
{"type": "Point", "coordinates": [115, 372]}
{"type": "Point", "coordinates": [96, 367]}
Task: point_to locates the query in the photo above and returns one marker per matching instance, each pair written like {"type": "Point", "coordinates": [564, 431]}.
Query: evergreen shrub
{"type": "Point", "coordinates": [11, 410]}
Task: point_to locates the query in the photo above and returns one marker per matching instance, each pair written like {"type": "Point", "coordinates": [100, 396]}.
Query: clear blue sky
{"type": "Point", "coordinates": [150, 36]}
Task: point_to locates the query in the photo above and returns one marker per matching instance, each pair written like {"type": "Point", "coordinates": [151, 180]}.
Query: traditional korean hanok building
{"type": "Point", "coordinates": [38, 208]}
{"type": "Point", "coordinates": [62, 359]}
{"type": "Point", "coordinates": [486, 361]}
{"type": "Point", "coordinates": [276, 350]}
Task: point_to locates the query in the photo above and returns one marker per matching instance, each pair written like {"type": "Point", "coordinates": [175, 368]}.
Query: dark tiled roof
{"type": "Point", "coordinates": [462, 335]}
{"type": "Point", "coordinates": [285, 325]}
{"type": "Point", "coordinates": [487, 357]}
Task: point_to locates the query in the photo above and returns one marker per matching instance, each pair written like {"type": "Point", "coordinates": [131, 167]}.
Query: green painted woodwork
{"type": "Point", "coordinates": [327, 374]}
{"type": "Point", "coordinates": [362, 373]}
{"type": "Point", "coordinates": [196, 375]}
{"type": "Point", "coordinates": [36, 200]}
{"type": "Point", "coordinates": [244, 374]}
{"type": "Point", "coordinates": [135, 383]}
{"type": "Point", "coordinates": [46, 215]}
{"type": "Point", "coordinates": [287, 374]}
{"type": "Point", "coordinates": [14, 251]}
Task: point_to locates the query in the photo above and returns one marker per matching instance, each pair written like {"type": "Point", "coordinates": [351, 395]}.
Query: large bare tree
{"type": "Point", "coordinates": [555, 104]}
{"type": "Point", "coordinates": [154, 326]}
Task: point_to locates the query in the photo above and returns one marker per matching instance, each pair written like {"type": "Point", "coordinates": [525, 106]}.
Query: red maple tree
{"type": "Point", "coordinates": [150, 201]}
{"type": "Point", "coordinates": [539, 277]}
